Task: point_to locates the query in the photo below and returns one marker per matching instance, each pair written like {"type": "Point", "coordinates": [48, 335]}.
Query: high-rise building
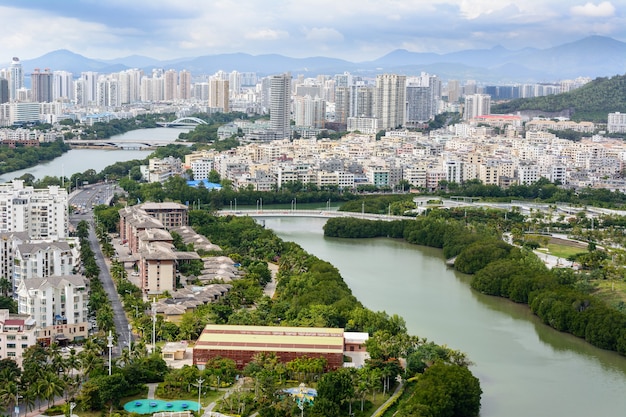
{"type": "Point", "coordinates": [201, 91]}
{"type": "Point", "coordinates": [280, 105]}
{"type": "Point", "coordinates": [342, 104]}
{"type": "Point", "coordinates": [129, 86]}
{"type": "Point", "coordinates": [476, 105]}
{"type": "Point", "coordinates": [310, 112]}
{"type": "Point", "coordinates": [89, 88]}
{"type": "Point", "coordinates": [454, 91]}
{"type": "Point", "coordinates": [4, 90]}
{"type": "Point", "coordinates": [16, 78]}
{"type": "Point", "coordinates": [422, 96]}
{"type": "Point", "coordinates": [107, 94]}
{"type": "Point", "coordinates": [184, 85]}
{"type": "Point", "coordinates": [170, 85]}
{"type": "Point", "coordinates": [62, 85]}
{"type": "Point", "coordinates": [41, 86]}
{"type": "Point", "coordinates": [234, 80]}
{"type": "Point", "coordinates": [390, 100]}
{"type": "Point", "coordinates": [361, 100]}
{"type": "Point", "coordinates": [219, 94]}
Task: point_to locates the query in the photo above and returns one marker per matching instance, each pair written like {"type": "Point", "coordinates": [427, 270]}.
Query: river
{"type": "Point", "coordinates": [525, 368]}
{"type": "Point", "coordinates": [80, 160]}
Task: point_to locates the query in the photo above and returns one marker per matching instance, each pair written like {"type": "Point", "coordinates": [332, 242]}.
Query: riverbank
{"type": "Point", "coordinates": [525, 367]}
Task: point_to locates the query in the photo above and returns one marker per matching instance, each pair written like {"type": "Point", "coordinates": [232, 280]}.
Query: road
{"type": "Point", "coordinates": [96, 194]}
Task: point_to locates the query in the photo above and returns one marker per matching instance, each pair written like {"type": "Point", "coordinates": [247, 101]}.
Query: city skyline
{"type": "Point", "coordinates": [351, 30]}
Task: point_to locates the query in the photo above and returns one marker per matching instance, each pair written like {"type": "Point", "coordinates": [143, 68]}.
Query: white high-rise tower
{"type": "Point", "coordinates": [16, 78]}
{"type": "Point", "coordinates": [280, 105]}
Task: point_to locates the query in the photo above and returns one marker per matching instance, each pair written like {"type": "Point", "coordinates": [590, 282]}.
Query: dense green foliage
{"type": "Point", "coordinates": [20, 157]}
{"type": "Point", "coordinates": [444, 390]}
{"type": "Point", "coordinates": [104, 130]}
{"type": "Point", "coordinates": [542, 190]}
{"type": "Point", "coordinates": [505, 271]}
{"type": "Point", "coordinates": [591, 102]}
{"type": "Point", "coordinates": [176, 189]}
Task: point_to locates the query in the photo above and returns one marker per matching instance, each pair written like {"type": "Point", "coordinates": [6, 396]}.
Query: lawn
{"type": "Point", "coordinates": [564, 251]}
{"type": "Point", "coordinates": [612, 292]}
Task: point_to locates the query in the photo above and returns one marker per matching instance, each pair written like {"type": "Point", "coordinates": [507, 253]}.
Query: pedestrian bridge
{"type": "Point", "coordinates": [324, 214]}
{"type": "Point", "coordinates": [183, 122]}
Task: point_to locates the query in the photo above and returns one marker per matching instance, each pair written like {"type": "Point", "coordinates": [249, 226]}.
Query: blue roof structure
{"type": "Point", "coordinates": [208, 185]}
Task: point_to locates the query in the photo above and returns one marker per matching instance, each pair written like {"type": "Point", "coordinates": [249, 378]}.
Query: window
{"type": "Point", "coordinates": [11, 354]}
{"type": "Point", "coordinates": [10, 345]}
{"type": "Point", "coordinates": [11, 337]}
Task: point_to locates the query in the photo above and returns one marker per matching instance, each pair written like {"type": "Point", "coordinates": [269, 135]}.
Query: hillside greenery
{"type": "Point", "coordinates": [591, 102]}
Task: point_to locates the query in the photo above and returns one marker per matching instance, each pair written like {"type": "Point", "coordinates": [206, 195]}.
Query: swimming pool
{"type": "Point", "coordinates": [149, 406]}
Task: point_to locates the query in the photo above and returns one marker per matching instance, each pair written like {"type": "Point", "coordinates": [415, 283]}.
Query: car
{"type": "Point", "coordinates": [135, 274]}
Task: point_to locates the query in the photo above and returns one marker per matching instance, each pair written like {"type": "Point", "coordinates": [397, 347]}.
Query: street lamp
{"type": "Point", "coordinates": [154, 319]}
{"type": "Point", "coordinates": [199, 381]}
{"type": "Point", "coordinates": [17, 400]}
{"type": "Point", "coordinates": [110, 346]}
{"type": "Point", "coordinates": [261, 198]}
{"type": "Point", "coordinates": [130, 335]}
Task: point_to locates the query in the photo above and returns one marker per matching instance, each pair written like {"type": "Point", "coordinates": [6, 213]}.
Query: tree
{"type": "Point", "coordinates": [334, 390]}
{"type": "Point", "coordinates": [214, 177]}
{"type": "Point", "coordinates": [449, 391]}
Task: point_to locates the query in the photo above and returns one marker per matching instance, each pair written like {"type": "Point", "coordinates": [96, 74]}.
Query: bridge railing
{"type": "Point", "coordinates": [309, 213]}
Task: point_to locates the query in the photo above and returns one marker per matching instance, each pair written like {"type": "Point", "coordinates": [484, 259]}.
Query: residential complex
{"type": "Point", "coordinates": [145, 229]}
{"type": "Point", "coordinates": [42, 213]}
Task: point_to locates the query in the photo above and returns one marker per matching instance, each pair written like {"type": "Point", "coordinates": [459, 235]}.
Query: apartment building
{"type": "Point", "coordinates": [58, 305]}
{"type": "Point", "coordinates": [42, 213]}
{"type": "Point", "coordinates": [17, 333]}
{"type": "Point", "coordinates": [43, 259]}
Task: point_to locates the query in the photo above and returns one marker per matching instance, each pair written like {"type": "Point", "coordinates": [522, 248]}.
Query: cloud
{"type": "Point", "coordinates": [604, 9]}
{"type": "Point", "coordinates": [267, 35]}
{"type": "Point", "coordinates": [354, 29]}
{"type": "Point", "coordinates": [324, 35]}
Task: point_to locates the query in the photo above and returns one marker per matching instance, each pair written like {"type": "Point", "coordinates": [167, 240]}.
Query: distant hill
{"type": "Point", "coordinates": [594, 56]}
{"type": "Point", "coordinates": [591, 102]}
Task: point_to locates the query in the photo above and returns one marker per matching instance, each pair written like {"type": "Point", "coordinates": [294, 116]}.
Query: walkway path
{"type": "Point", "coordinates": [270, 288]}
{"type": "Point", "coordinates": [208, 410]}
{"type": "Point", "coordinates": [151, 390]}
{"type": "Point", "coordinates": [395, 393]}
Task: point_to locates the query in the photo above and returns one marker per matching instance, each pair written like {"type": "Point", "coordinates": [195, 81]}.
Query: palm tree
{"type": "Point", "coordinates": [54, 387]}
{"type": "Point", "coordinates": [5, 286]}
{"type": "Point", "coordinates": [8, 394]}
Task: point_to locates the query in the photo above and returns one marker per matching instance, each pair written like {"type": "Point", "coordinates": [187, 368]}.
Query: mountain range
{"type": "Point", "coordinates": [594, 56]}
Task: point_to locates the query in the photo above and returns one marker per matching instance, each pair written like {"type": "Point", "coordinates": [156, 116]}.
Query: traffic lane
{"type": "Point", "coordinates": [119, 317]}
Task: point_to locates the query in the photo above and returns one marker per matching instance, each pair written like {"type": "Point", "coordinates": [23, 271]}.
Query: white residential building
{"type": "Point", "coordinates": [42, 213]}
{"type": "Point", "coordinates": [617, 122]}
{"type": "Point", "coordinates": [201, 168]}
{"type": "Point", "coordinates": [477, 105]}
{"type": "Point", "coordinates": [59, 302]}
{"type": "Point", "coordinates": [43, 259]}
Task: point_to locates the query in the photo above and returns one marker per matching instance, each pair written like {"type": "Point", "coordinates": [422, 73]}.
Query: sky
{"type": "Point", "coordinates": [355, 30]}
